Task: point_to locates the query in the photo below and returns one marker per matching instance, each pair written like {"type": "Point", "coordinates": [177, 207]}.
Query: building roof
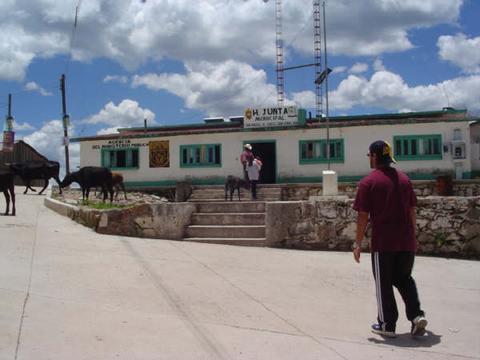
{"type": "Point", "coordinates": [217, 126]}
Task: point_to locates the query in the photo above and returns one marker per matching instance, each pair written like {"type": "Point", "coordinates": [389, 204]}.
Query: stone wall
{"type": "Point", "coordinates": [446, 226]}
{"type": "Point", "coordinates": [293, 192]}
{"type": "Point", "coordinates": [162, 220]}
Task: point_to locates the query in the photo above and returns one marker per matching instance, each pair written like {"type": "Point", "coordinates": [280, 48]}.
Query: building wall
{"type": "Point", "coordinates": [356, 141]}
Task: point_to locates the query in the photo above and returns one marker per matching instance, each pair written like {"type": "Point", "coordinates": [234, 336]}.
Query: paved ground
{"type": "Point", "coordinates": [69, 293]}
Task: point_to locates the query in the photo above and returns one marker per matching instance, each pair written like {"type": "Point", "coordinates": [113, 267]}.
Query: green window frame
{"type": "Point", "coordinates": [418, 147]}
{"type": "Point", "coordinates": [201, 155]}
{"type": "Point", "coordinates": [315, 151]}
{"type": "Point", "coordinates": [121, 159]}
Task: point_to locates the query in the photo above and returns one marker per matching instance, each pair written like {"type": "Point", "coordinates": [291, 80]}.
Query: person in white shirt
{"type": "Point", "coordinates": [253, 169]}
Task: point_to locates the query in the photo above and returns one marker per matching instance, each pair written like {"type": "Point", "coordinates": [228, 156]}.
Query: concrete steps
{"type": "Point", "coordinates": [232, 223]}
{"type": "Point", "coordinates": [217, 193]}
{"type": "Point", "coordinates": [230, 219]}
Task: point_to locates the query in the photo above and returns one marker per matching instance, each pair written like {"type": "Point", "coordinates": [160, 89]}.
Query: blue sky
{"type": "Point", "coordinates": [176, 62]}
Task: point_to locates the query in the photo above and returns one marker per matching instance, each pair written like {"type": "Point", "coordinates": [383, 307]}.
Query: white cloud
{"type": "Point", "coordinates": [134, 32]}
{"type": "Point", "coordinates": [461, 51]}
{"type": "Point", "coordinates": [358, 68]}
{"type": "Point", "coordinates": [33, 86]}
{"type": "Point", "coordinates": [339, 69]}
{"type": "Point", "coordinates": [304, 99]}
{"type": "Point", "coordinates": [216, 88]}
{"type": "Point", "coordinates": [48, 141]}
{"type": "Point", "coordinates": [23, 127]}
{"type": "Point", "coordinates": [389, 91]}
{"type": "Point", "coordinates": [378, 65]}
{"type": "Point", "coordinates": [126, 114]}
{"type": "Point", "coordinates": [115, 78]}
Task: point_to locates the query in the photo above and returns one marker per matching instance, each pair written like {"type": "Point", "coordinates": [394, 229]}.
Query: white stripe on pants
{"type": "Point", "coordinates": [378, 286]}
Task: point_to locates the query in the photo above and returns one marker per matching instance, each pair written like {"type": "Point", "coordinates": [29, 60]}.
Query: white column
{"type": "Point", "coordinates": [329, 183]}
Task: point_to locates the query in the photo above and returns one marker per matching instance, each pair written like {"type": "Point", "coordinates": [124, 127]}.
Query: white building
{"type": "Point", "coordinates": [293, 150]}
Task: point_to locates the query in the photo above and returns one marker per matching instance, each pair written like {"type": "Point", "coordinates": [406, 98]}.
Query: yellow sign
{"type": "Point", "coordinates": [159, 154]}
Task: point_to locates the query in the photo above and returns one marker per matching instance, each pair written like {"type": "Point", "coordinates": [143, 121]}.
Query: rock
{"type": "Point", "coordinates": [440, 223]}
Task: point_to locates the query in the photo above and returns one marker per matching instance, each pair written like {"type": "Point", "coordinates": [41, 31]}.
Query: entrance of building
{"type": "Point", "coordinates": [267, 152]}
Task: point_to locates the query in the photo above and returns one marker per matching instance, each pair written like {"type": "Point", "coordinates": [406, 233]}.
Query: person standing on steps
{"type": "Point", "coordinates": [385, 197]}
{"type": "Point", "coordinates": [253, 169]}
{"type": "Point", "coordinates": [245, 158]}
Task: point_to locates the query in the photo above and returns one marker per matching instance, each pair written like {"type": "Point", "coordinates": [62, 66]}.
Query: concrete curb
{"type": "Point", "coordinates": [61, 208]}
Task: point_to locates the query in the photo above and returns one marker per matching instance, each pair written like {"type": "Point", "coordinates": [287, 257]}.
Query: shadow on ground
{"type": "Point", "coordinates": [407, 341]}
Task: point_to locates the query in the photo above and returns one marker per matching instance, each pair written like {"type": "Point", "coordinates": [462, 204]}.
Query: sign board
{"type": "Point", "coordinates": [271, 117]}
{"type": "Point", "coordinates": [118, 144]}
{"type": "Point", "coordinates": [159, 154]}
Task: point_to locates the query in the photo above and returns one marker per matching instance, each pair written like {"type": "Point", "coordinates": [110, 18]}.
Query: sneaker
{"type": "Point", "coordinates": [379, 329]}
{"type": "Point", "coordinates": [418, 326]}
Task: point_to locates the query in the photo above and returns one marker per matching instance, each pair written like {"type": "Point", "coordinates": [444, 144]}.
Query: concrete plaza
{"type": "Point", "coordinates": [69, 293]}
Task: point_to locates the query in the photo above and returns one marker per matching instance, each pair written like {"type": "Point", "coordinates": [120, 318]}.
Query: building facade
{"type": "Point", "coordinates": [426, 144]}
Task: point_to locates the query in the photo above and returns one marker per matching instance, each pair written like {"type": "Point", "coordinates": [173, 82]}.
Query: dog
{"type": "Point", "coordinates": [232, 183]}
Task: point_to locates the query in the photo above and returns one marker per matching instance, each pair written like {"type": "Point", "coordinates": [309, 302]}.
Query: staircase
{"type": "Point", "coordinates": [217, 193]}
{"type": "Point", "coordinates": [232, 223]}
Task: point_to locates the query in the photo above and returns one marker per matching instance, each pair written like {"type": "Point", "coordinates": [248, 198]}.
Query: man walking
{"type": "Point", "coordinates": [386, 197]}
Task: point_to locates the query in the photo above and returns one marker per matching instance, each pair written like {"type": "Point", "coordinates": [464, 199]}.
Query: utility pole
{"type": "Point", "coordinates": [317, 52]}
{"type": "Point", "coordinates": [326, 86]}
{"type": "Point", "coordinates": [8, 134]}
{"type": "Point", "coordinates": [279, 54]}
{"type": "Point", "coordinates": [66, 122]}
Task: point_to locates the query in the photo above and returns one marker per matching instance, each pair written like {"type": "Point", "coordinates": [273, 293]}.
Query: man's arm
{"type": "Point", "coordinates": [362, 221]}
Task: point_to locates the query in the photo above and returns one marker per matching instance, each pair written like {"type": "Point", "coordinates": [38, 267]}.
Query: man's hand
{"type": "Point", "coordinates": [356, 254]}
{"type": "Point", "coordinates": [362, 221]}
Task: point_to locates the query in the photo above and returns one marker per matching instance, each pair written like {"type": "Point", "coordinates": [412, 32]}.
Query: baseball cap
{"type": "Point", "coordinates": [383, 150]}
{"type": "Point", "coordinates": [248, 146]}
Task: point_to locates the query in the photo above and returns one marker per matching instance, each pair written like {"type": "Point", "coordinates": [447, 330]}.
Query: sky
{"type": "Point", "coordinates": [179, 61]}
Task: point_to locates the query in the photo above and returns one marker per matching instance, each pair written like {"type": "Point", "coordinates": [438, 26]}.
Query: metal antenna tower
{"type": "Point", "coordinates": [317, 51]}
{"type": "Point", "coordinates": [279, 45]}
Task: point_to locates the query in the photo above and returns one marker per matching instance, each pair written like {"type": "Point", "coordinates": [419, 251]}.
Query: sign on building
{"type": "Point", "coordinates": [159, 154]}
{"type": "Point", "coordinates": [271, 117]}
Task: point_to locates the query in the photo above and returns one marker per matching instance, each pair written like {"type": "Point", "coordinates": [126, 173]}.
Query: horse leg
{"type": "Point", "coordinates": [57, 179]}
{"type": "Point", "coordinates": [110, 189]}
{"type": "Point", "coordinates": [46, 184]}
{"type": "Point", "coordinates": [7, 200]}
{"type": "Point", "coordinates": [83, 194]}
{"type": "Point", "coordinates": [104, 192]}
{"type": "Point", "coordinates": [87, 192]}
{"type": "Point", "coordinates": [12, 195]}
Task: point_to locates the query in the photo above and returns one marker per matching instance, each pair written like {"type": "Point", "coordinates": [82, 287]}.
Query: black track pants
{"type": "Point", "coordinates": [394, 269]}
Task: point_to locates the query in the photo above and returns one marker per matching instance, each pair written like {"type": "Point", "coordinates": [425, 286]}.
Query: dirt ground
{"type": "Point", "coordinates": [74, 196]}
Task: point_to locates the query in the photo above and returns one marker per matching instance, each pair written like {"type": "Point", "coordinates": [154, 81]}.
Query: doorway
{"type": "Point", "coordinates": [266, 150]}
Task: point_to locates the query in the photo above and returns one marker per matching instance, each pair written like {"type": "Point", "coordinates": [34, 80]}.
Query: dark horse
{"type": "Point", "coordinates": [37, 169]}
{"type": "Point", "coordinates": [91, 176]}
{"type": "Point", "coordinates": [233, 183]}
{"type": "Point", "coordinates": [7, 186]}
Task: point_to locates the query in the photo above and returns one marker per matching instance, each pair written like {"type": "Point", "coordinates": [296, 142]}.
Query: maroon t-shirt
{"type": "Point", "coordinates": [387, 195]}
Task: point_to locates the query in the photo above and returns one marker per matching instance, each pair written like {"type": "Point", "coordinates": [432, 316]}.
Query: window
{"type": "Point", "coordinates": [421, 147]}
{"type": "Point", "coordinates": [120, 159]}
{"type": "Point", "coordinates": [315, 151]}
{"type": "Point", "coordinates": [205, 155]}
